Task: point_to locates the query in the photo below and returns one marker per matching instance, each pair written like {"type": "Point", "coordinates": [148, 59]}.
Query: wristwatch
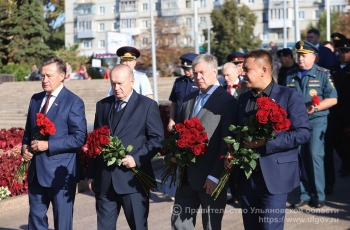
{"type": "Point", "coordinates": [315, 108]}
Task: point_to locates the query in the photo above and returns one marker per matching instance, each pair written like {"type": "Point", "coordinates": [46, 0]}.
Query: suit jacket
{"type": "Point", "coordinates": [326, 57]}
{"type": "Point", "coordinates": [239, 91]}
{"type": "Point", "coordinates": [279, 159]}
{"type": "Point", "coordinates": [59, 165]}
{"type": "Point", "coordinates": [140, 125]}
{"type": "Point", "coordinates": [216, 116]}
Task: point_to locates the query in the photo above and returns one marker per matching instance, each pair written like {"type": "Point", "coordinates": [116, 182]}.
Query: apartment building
{"type": "Point", "coordinates": [102, 26]}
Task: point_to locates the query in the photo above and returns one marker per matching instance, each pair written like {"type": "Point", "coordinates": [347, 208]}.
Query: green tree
{"type": "Point", "coordinates": [167, 52]}
{"type": "Point", "coordinates": [233, 29]}
{"type": "Point", "coordinates": [321, 26]}
{"type": "Point", "coordinates": [71, 55]}
{"type": "Point", "coordinates": [54, 15]}
{"type": "Point", "coordinates": [27, 44]}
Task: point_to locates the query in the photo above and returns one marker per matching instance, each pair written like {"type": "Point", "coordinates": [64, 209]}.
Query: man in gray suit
{"type": "Point", "coordinates": [215, 108]}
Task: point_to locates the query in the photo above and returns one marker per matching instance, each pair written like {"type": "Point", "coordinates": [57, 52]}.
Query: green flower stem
{"type": "Point", "coordinates": [222, 182]}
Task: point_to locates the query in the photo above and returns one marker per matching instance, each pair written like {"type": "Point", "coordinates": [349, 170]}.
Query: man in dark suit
{"type": "Point", "coordinates": [135, 120]}
{"type": "Point", "coordinates": [53, 172]}
{"type": "Point", "coordinates": [215, 108]}
{"type": "Point", "coordinates": [264, 194]}
{"type": "Point", "coordinates": [285, 57]}
{"type": "Point", "coordinates": [326, 58]}
{"type": "Point", "coordinates": [232, 79]}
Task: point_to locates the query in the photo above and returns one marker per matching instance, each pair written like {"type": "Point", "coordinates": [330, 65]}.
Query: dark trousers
{"type": "Point", "coordinates": [328, 157]}
{"type": "Point", "coordinates": [261, 210]}
{"type": "Point", "coordinates": [135, 205]}
{"type": "Point", "coordinates": [62, 200]}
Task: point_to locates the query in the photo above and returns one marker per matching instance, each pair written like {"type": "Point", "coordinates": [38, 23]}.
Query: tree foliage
{"type": "Point", "coordinates": [343, 26]}
{"type": "Point", "coordinates": [233, 29]}
{"type": "Point", "coordinates": [321, 26]}
{"type": "Point", "coordinates": [30, 29]}
{"type": "Point", "coordinates": [71, 55]}
{"type": "Point", "coordinates": [168, 52]}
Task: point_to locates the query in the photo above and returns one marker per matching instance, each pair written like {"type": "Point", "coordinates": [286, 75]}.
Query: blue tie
{"type": "Point", "coordinates": [118, 105]}
{"type": "Point", "coordinates": [200, 103]}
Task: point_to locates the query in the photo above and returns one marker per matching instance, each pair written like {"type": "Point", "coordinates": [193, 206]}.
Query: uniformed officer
{"type": "Point", "coordinates": [182, 86]}
{"type": "Point", "coordinates": [237, 58]}
{"type": "Point", "coordinates": [340, 114]}
{"type": "Point", "coordinates": [310, 80]}
{"type": "Point", "coordinates": [285, 57]}
{"type": "Point", "coordinates": [128, 56]}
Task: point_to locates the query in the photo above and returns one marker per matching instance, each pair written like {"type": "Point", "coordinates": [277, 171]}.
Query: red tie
{"type": "Point", "coordinates": [230, 89]}
{"type": "Point", "coordinates": [44, 109]}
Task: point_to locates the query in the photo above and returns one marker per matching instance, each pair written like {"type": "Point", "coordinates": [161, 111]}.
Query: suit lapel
{"type": "Point", "coordinates": [276, 92]}
{"type": "Point", "coordinates": [57, 103]}
{"type": "Point", "coordinates": [214, 97]}
{"type": "Point", "coordinates": [191, 104]}
{"type": "Point", "coordinates": [243, 102]}
{"type": "Point", "coordinates": [39, 102]}
{"type": "Point", "coordinates": [129, 109]}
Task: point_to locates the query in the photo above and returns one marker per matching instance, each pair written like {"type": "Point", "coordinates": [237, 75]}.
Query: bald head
{"type": "Point", "coordinates": [122, 81]}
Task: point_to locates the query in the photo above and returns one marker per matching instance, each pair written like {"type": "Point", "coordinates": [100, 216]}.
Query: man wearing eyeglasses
{"type": "Point", "coordinates": [326, 58]}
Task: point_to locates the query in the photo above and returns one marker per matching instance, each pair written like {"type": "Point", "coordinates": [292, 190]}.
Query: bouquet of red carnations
{"type": "Point", "coordinates": [189, 141]}
{"type": "Point", "coordinates": [270, 119]}
{"type": "Point", "coordinates": [100, 141]}
{"type": "Point", "coordinates": [44, 128]}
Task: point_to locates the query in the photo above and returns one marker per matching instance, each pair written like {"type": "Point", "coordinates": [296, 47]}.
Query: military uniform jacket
{"type": "Point", "coordinates": [317, 81]}
{"type": "Point", "coordinates": [182, 87]}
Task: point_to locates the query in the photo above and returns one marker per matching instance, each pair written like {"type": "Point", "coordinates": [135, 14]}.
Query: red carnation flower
{"type": "Point", "coordinates": [315, 100]}
{"type": "Point", "coordinates": [237, 86]}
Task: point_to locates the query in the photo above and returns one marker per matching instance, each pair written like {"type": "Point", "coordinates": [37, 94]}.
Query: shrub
{"type": "Point", "coordinates": [19, 70]}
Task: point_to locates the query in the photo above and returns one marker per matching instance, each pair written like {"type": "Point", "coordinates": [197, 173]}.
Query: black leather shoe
{"type": "Point", "coordinates": [301, 203]}
{"type": "Point", "coordinates": [230, 201]}
{"type": "Point", "coordinates": [319, 203]}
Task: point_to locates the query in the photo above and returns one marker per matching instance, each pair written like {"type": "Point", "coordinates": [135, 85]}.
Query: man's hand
{"type": "Point", "coordinates": [227, 164]}
{"type": "Point", "coordinates": [170, 125]}
{"type": "Point", "coordinates": [27, 156]}
{"type": "Point", "coordinates": [128, 162]}
{"type": "Point", "coordinates": [310, 109]}
{"type": "Point", "coordinates": [254, 144]}
{"type": "Point", "coordinates": [39, 146]}
{"type": "Point", "coordinates": [90, 184]}
{"type": "Point", "coordinates": [173, 159]}
{"type": "Point", "coordinates": [209, 186]}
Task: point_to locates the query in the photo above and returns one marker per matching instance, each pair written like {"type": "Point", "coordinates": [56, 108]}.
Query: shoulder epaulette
{"type": "Point", "coordinates": [323, 70]}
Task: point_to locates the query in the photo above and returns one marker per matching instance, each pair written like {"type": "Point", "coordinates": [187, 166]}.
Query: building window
{"type": "Point", "coordinates": [202, 3]}
{"type": "Point", "coordinates": [189, 22]}
{"type": "Point", "coordinates": [265, 16]}
{"type": "Point", "coordinates": [116, 26]}
{"type": "Point", "coordinates": [102, 10]}
{"type": "Point", "coordinates": [87, 44]}
{"type": "Point", "coordinates": [102, 44]}
{"type": "Point", "coordinates": [265, 1]}
{"type": "Point", "coordinates": [115, 9]}
{"type": "Point", "coordinates": [265, 36]}
{"type": "Point", "coordinates": [128, 6]}
{"type": "Point", "coordinates": [202, 19]}
{"type": "Point", "coordinates": [102, 26]}
{"type": "Point", "coordinates": [128, 23]}
{"type": "Point", "coordinates": [84, 25]}
{"type": "Point", "coordinates": [188, 40]}
{"type": "Point", "coordinates": [157, 6]}
{"type": "Point", "coordinates": [145, 24]}
{"type": "Point", "coordinates": [317, 14]}
{"type": "Point", "coordinates": [144, 41]}
{"type": "Point", "coordinates": [144, 7]}
{"type": "Point", "coordinates": [302, 14]}
{"type": "Point", "coordinates": [280, 34]}
{"type": "Point", "coordinates": [188, 4]}
{"type": "Point", "coordinates": [250, 1]}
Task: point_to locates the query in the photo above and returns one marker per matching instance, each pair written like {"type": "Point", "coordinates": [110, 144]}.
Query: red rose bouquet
{"type": "Point", "coordinates": [44, 128]}
{"type": "Point", "coordinates": [270, 119]}
{"type": "Point", "coordinates": [100, 141]}
{"type": "Point", "coordinates": [189, 141]}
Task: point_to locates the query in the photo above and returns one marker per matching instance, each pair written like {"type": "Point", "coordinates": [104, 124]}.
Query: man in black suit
{"type": "Point", "coordinates": [326, 58]}
{"type": "Point", "coordinates": [285, 57]}
{"type": "Point", "coordinates": [136, 121]}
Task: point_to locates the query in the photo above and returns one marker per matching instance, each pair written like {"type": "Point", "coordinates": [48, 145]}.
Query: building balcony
{"type": "Point", "coordinates": [132, 31]}
{"type": "Point", "coordinates": [170, 12]}
{"type": "Point", "coordinates": [128, 15]}
{"type": "Point", "coordinates": [279, 23]}
{"type": "Point", "coordinates": [86, 34]}
{"type": "Point", "coordinates": [85, 1]}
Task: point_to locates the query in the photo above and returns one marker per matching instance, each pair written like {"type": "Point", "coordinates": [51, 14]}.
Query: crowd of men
{"type": "Point", "coordinates": [301, 156]}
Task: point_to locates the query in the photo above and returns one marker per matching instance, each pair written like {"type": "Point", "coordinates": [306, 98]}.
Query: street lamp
{"type": "Point", "coordinates": [196, 46]}
{"type": "Point", "coordinates": [204, 26]}
{"type": "Point", "coordinates": [154, 66]}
